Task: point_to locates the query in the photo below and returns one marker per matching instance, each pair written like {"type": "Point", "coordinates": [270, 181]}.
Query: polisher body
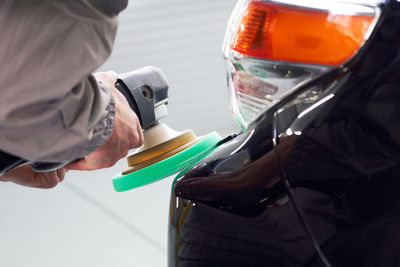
{"type": "Point", "coordinates": [165, 151]}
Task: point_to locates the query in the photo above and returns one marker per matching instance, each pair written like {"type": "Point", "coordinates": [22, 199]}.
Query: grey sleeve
{"type": "Point", "coordinates": [110, 8]}
{"type": "Point", "coordinates": [51, 107]}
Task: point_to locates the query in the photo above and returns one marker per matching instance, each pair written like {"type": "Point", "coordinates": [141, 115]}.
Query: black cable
{"type": "Point", "coordinates": [298, 209]}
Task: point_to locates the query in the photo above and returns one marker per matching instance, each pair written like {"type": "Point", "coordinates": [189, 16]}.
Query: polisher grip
{"type": "Point", "coordinates": [145, 89]}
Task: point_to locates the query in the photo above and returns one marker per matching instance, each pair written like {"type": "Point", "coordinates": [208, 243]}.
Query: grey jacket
{"type": "Point", "coordinates": [51, 107]}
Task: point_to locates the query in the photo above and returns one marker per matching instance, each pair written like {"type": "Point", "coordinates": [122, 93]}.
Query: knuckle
{"type": "Point", "coordinates": [50, 184]}
{"type": "Point", "coordinates": [113, 74]}
{"type": "Point", "coordinates": [111, 163]}
{"type": "Point", "coordinates": [123, 154]}
{"type": "Point", "coordinates": [137, 140]}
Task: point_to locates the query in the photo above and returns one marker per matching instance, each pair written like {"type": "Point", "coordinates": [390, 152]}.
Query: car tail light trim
{"type": "Point", "coordinates": [272, 47]}
{"type": "Point", "coordinates": [291, 33]}
{"type": "Point", "coordinates": [256, 85]}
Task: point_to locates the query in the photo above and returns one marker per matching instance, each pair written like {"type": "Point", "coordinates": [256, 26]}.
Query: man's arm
{"type": "Point", "coordinates": [51, 108]}
{"type": "Point", "coordinates": [127, 133]}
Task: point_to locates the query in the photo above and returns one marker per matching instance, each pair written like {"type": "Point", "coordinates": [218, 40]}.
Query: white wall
{"type": "Point", "coordinates": [83, 222]}
{"type": "Point", "coordinates": [183, 38]}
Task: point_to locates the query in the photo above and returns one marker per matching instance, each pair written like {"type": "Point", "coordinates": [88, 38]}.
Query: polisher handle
{"type": "Point", "coordinates": [145, 89]}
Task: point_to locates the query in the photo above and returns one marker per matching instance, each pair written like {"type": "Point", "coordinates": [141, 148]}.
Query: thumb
{"type": "Point", "coordinates": [113, 74]}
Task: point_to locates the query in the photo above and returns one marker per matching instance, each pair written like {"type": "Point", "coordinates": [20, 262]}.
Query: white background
{"type": "Point", "coordinates": [83, 222]}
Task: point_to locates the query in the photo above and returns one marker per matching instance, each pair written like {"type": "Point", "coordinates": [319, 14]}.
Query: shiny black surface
{"type": "Point", "coordinates": [230, 157]}
{"type": "Point", "coordinates": [243, 222]}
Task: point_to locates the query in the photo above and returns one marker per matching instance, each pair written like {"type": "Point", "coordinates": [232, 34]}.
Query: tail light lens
{"type": "Point", "coordinates": [272, 47]}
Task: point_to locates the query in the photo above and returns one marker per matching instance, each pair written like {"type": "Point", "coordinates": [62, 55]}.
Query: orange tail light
{"type": "Point", "coordinates": [290, 33]}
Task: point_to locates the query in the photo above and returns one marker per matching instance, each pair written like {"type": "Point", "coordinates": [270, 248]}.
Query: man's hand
{"type": "Point", "coordinates": [24, 175]}
{"type": "Point", "coordinates": [127, 133]}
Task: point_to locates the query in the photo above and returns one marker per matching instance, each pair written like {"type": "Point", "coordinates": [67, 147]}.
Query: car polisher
{"type": "Point", "coordinates": [165, 151]}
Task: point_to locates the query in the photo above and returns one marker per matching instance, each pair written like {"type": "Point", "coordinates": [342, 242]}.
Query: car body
{"type": "Point", "coordinates": [335, 202]}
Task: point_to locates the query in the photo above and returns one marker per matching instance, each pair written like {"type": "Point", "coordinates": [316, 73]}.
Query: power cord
{"type": "Point", "coordinates": [298, 209]}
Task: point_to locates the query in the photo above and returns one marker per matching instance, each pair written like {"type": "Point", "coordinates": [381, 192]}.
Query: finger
{"type": "Point", "coordinates": [140, 131]}
{"type": "Point", "coordinates": [80, 164]}
{"type": "Point", "coordinates": [46, 180]}
{"type": "Point", "coordinates": [113, 75]}
{"type": "Point", "coordinates": [108, 78]}
{"type": "Point", "coordinates": [61, 174]}
{"type": "Point", "coordinates": [90, 165]}
{"type": "Point", "coordinates": [140, 135]}
{"type": "Point", "coordinates": [137, 138]}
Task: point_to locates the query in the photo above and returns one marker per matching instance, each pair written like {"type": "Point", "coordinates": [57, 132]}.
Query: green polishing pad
{"type": "Point", "coordinates": [167, 166]}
